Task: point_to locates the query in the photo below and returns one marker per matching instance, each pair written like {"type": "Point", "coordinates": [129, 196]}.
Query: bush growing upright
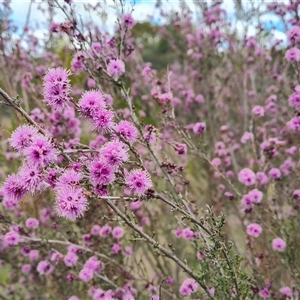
{"type": "Point", "coordinates": [126, 182]}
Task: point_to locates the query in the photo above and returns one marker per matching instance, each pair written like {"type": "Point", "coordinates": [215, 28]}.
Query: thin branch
{"type": "Point", "coordinates": [156, 245]}
{"type": "Point", "coordinates": [14, 103]}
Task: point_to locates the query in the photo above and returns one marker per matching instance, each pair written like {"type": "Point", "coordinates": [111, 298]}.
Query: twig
{"type": "Point", "coordinates": [156, 245]}
{"type": "Point", "coordinates": [13, 103]}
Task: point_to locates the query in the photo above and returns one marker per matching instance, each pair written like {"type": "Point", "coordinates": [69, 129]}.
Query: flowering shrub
{"type": "Point", "coordinates": [123, 181]}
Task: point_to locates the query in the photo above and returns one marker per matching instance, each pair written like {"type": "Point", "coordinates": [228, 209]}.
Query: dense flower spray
{"type": "Point", "coordinates": [57, 88]}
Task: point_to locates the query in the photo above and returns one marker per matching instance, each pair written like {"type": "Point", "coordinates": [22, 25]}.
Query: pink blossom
{"type": "Point", "coordinates": [247, 177]}
{"type": "Point", "coordinates": [115, 153]}
{"type": "Point", "coordinates": [33, 255]}
{"type": "Point", "coordinates": [118, 232]}
{"type": "Point", "coordinates": [57, 87]}
{"type": "Point", "coordinates": [275, 173]}
{"type": "Point", "coordinates": [128, 20]}
{"type": "Point", "coordinates": [86, 275]}
{"type": "Point", "coordinates": [254, 230]}
{"type": "Point", "coordinates": [278, 244]}
{"type": "Point", "coordinates": [44, 268]}
{"type": "Point", "coordinates": [198, 128]}
{"type": "Point", "coordinates": [138, 181]}
{"type": "Point", "coordinates": [188, 234]}
{"type": "Point", "coordinates": [247, 137]}
{"type": "Point", "coordinates": [264, 293]}
{"type": "Point", "coordinates": [26, 268]}
{"type": "Point", "coordinates": [116, 248]}
{"type": "Point", "coordinates": [23, 137]}
{"type": "Point", "coordinates": [286, 291]}
{"type": "Point", "coordinates": [95, 230]}
{"type": "Point", "coordinates": [116, 68]}
{"type": "Point", "coordinates": [292, 55]}
{"type": "Point", "coordinates": [258, 111]}
{"type": "Point", "coordinates": [32, 223]}
{"type": "Point", "coordinates": [293, 34]}
{"type": "Point", "coordinates": [105, 231]}
{"type": "Point", "coordinates": [188, 287]}
{"type": "Point", "coordinates": [70, 202]}
{"type": "Point", "coordinates": [127, 130]}
{"type": "Point", "coordinates": [70, 259]}
{"type": "Point", "coordinates": [255, 196]}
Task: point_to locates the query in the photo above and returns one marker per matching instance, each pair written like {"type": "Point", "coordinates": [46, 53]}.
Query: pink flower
{"type": "Point", "coordinates": [33, 255]}
{"type": "Point", "coordinates": [77, 63]}
{"type": "Point", "coordinates": [105, 231]}
{"type": "Point", "coordinates": [73, 249]}
{"type": "Point", "coordinates": [286, 291]}
{"type": "Point", "coordinates": [33, 177]}
{"type": "Point", "coordinates": [70, 202]}
{"type": "Point", "coordinates": [199, 99]}
{"type": "Point", "coordinates": [188, 234]}
{"type": "Point", "coordinates": [91, 102]}
{"type": "Point", "coordinates": [56, 256]}
{"type": "Point", "coordinates": [294, 100]}
{"type": "Point", "coordinates": [211, 291]}
{"type": "Point", "coordinates": [247, 137]}
{"type": "Point", "coordinates": [57, 88]}
{"type": "Point", "coordinates": [95, 230]}
{"type": "Point", "coordinates": [247, 177]}
{"type": "Point", "coordinates": [103, 120]}
{"type": "Point", "coordinates": [138, 181]}
{"type": "Point", "coordinates": [181, 148]}
{"type": "Point", "coordinates": [294, 124]}
{"type": "Point", "coordinates": [118, 232]}
{"type": "Point", "coordinates": [128, 251]}
{"type": "Point", "coordinates": [12, 238]}
{"type": "Point", "coordinates": [135, 205]}
{"type": "Point", "coordinates": [292, 54]}
{"type": "Point", "coordinates": [254, 230]}
{"type": "Point", "coordinates": [127, 130]}
{"type": "Point", "coordinates": [14, 188]}
{"type": "Point", "coordinates": [116, 248]}
{"type": "Point", "coordinates": [44, 268]}
{"type": "Point", "coordinates": [199, 128]}
{"type": "Point", "coordinates": [255, 196]}
{"type": "Point", "coordinates": [262, 178]}
{"type": "Point", "coordinates": [296, 194]}
{"type": "Point", "coordinates": [258, 111]}
{"type": "Point", "coordinates": [178, 232]}
{"type": "Point", "coordinates": [275, 173]}
{"type": "Point", "coordinates": [101, 172]}
{"type": "Point", "coordinates": [247, 201]}
{"type": "Point", "coordinates": [115, 153]}
{"type": "Point", "coordinates": [69, 177]}
{"type": "Point", "coordinates": [216, 162]}
{"type": "Point", "coordinates": [294, 34]}
{"type": "Point", "coordinates": [41, 152]}
{"type": "Point", "coordinates": [26, 268]}
{"type": "Point", "coordinates": [70, 259]}
{"type": "Point", "coordinates": [108, 99]}
{"type": "Point", "coordinates": [32, 223]}
{"type": "Point", "coordinates": [94, 264]}
{"type": "Point", "coordinates": [91, 83]}
{"type": "Point", "coordinates": [128, 20]}
{"type": "Point", "coordinates": [116, 68]}
{"type": "Point", "coordinates": [188, 287]}
{"type": "Point", "coordinates": [23, 137]}
{"type": "Point", "coordinates": [86, 274]}
{"type": "Point", "coordinates": [264, 293]}
{"type": "Point", "coordinates": [278, 245]}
